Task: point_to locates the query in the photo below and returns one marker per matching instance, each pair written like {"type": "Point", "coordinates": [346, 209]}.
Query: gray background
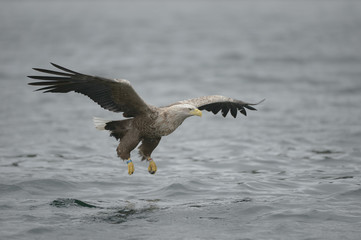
{"type": "Point", "coordinates": [288, 171]}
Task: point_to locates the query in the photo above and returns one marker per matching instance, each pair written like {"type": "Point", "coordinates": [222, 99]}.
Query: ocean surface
{"type": "Point", "coordinates": [290, 170]}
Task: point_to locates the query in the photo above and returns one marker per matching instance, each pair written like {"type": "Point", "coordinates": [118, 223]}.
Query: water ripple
{"type": "Point", "coordinates": [69, 202]}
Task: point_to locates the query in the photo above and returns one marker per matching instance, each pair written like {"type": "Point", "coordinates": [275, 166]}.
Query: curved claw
{"type": "Point", "coordinates": [152, 168]}
{"type": "Point", "coordinates": [130, 167]}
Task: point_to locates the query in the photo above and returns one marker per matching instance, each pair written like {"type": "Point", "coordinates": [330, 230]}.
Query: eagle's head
{"type": "Point", "coordinates": [183, 111]}
{"type": "Point", "coordinates": [188, 110]}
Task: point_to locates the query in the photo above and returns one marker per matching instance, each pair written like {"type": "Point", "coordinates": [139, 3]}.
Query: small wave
{"type": "Point", "coordinates": [12, 191]}
{"type": "Point", "coordinates": [29, 155]}
{"type": "Point", "coordinates": [352, 193]}
{"type": "Point", "coordinates": [45, 186]}
{"type": "Point", "coordinates": [4, 188]}
{"type": "Point", "coordinates": [70, 202]}
{"type": "Point", "coordinates": [123, 214]}
{"type": "Point", "coordinates": [243, 200]}
{"type": "Point", "coordinates": [40, 230]}
{"type": "Point", "coordinates": [176, 189]}
{"type": "Point", "coordinates": [117, 217]}
{"type": "Point", "coordinates": [325, 151]}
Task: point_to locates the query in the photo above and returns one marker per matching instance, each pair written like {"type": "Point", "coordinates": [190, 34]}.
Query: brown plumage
{"type": "Point", "coordinates": [144, 123]}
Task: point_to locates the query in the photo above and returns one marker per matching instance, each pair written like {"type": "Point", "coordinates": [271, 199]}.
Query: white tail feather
{"type": "Point", "coordinates": [100, 123]}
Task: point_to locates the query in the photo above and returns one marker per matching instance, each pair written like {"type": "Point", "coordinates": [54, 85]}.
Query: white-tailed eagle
{"type": "Point", "coordinates": [145, 123]}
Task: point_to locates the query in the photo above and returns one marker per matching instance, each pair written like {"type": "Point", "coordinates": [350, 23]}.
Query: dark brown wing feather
{"type": "Point", "coordinates": [217, 103]}
{"type": "Point", "coordinates": [113, 95]}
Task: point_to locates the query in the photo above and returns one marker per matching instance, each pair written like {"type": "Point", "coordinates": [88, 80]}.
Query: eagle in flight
{"type": "Point", "coordinates": [144, 123]}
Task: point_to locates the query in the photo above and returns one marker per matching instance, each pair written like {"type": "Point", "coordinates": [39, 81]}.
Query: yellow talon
{"type": "Point", "coordinates": [130, 167]}
{"type": "Point", "coordinates": [152, 168]}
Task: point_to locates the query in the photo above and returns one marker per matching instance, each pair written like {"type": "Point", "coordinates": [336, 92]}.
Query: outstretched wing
{"type": "Point", "coordinates": [218, 103]}
{"type": "Point", "coordinates": [113, 95]}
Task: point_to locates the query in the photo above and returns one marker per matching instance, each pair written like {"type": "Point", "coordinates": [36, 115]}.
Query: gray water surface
{"type": "Point", "coordinates": [291, 170]}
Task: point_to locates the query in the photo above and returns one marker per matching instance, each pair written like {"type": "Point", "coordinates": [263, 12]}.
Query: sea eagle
{"type": "Point", "coordinates": [144, 123]}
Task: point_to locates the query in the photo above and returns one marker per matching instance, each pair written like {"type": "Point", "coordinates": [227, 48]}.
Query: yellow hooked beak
{"type": "Point", "coordinates": [196, 112]}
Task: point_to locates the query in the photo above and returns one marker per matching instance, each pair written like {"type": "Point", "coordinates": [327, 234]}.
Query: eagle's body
{"type": "Point", "coordinates": [145, 123]}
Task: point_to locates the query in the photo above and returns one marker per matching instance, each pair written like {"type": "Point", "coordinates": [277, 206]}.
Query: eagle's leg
{"type": "Point", "coordinates": [126, 156]}
{"type": "Point", "coordinates": [126, 145]}
{"type": "Point", "coordinates": [130, 166]}
{"type": "Point", "coordinates": [152, 168]}
{"type": "Point", "coordinates": [146, 149]}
